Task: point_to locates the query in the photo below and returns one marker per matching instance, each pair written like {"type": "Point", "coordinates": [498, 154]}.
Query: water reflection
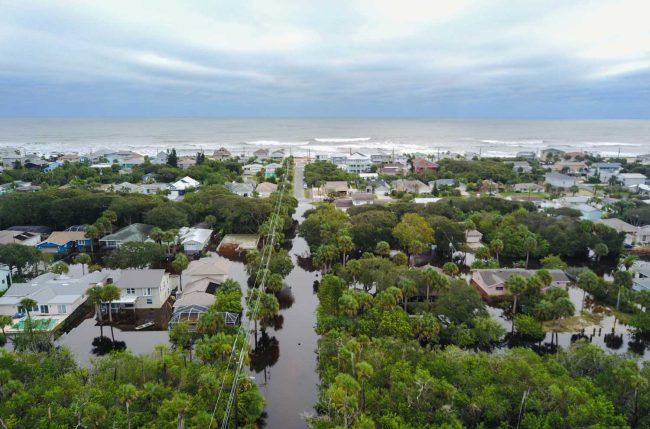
{"type": "Point", "coordinates": [600, 327]}
{"type": "Point", "coordinates": [104, 345]}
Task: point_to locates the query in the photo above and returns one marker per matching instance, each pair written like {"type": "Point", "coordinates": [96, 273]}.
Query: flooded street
{"type": "Point", "coordinates": [286, 372]}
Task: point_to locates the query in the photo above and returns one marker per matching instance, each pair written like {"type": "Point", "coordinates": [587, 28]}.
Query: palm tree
{"type": "Point", "coordinates": [27, 304]}
{"type": "Point", "coordinates": [344, 245]}
{"type": "Point", "coordinates": [94, 295]}
{"type": "Point", "coordinates": [496, 246]}
{"type": "Point", "coordinates": [436, 281]}
{"type": "Point", "coordinates": [364, 372]}
{"type": "Point", "coordinates": [515, 284]}
{"type": "Point", "coordinates": [382, 248]}
{"type": "Point", "coordinates": [110, 293]}
{"type": "Point", "coordinates": [530, 243]}
{"type": "Point", "coordinates": [450, 269]}
{"type": "Point", "coordinates": [4, 322]}
{"type": "Point", "coordinates": [92, 233]}
{"type": "Point", "coordinates": [408, 288]}
{"type": "Point", "coordinates": [127, 393]}
{"type": "Point", "coordinates": [179, 264]}
{"type": "Point", "coordinates": [83, 259]}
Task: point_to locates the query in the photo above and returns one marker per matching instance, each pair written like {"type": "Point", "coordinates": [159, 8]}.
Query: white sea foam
{"type": "Point", "coordinates": [343, 140]}
{"type": "Point", "coordinates": [275, 143]}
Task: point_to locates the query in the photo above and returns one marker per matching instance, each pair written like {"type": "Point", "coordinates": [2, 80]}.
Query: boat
{"type": "Point", "coordinates": [145, 325]}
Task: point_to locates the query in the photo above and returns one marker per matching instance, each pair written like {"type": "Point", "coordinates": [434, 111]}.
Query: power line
{"type": "Point", "coordinates": [267, 252]}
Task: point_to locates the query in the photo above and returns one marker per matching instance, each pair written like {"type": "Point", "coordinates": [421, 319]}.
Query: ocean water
{"type": "Point", "coordinates": [303, 136]}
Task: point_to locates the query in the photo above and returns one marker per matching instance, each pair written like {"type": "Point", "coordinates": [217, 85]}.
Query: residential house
{"type": "Point", "coordinates": [572, 168]}
{"type": "Point", "coordinates": [641, 275]}
{"type": "Point", "coordinates": [336, 188]}
{"type": "Point", "coordinates": [559, 180]}
{"type": "Point", "coordinates": [277, 155]}
{"type": "Point", "coordinates": [528, 187]}
{"type": "Point", "coordinates": [378, 187]}
{"type": "Point", "coordinates": [343, 203]}
{"type": "Point", "coordinates": [633, 234]}
{"type": "Point", "coordinates": [521, 167]}
{"type": "Point", "coordinates": [362, 198]}
{"type": "Point", "coordinates": [368, 176]}
{"type": "Point", "coordinates": [491, 282]}
{"type": "Point", "coordinates": [426, 200]}
{"type": "Point", "coordinates": [180, 187]}
{"type": "Point", "coordinates": [194, 240]}
{"type": "Point", "coordinates": [358, 163]}
{"type": "Point", "coordinates": [339, 159]}
{"type": "Point", "coordinates": [221, 154]}
{"type": "Point", "coordinates": [63, 242]}
{"type": "Point", "coordinates": [54, 294]}
{"type": "Point", "coordinates": [142, 289]}
{"type": "Point", "coordinates": [394, 169]}
{"type": "Point", "coordinates": [252, 169]}
{"type": "Point", "coordinates": [265, 189]}
{"type": "Point", "coordinates": [442, 182]}
{"type": "Point", "coordinates": [526, 154]}
{"type": "Point", "coordinates": [186, 162]}
{"type": "Point", "coordinates": [20, 237]}
{"type": "Point", "coordinates": [261, 154]}
{"type": "Point", "coordinates": [550, 153]}
{"type": "Point", "coordinates": [5, 278]}
{"type": "Point", "coordinates": [135, 232]}
{"type": "Point", "coordinates": [69, 157]}
{"type": "Point", "coordinates": [160, 158]}
{"type": "Point", "coordinates": [473, 238]}
{"type": "Point", "coordinates": [421, 165]}
{"type": "Point", "coordinates": [42, 231]}
{"type": "Point", "coordinates": [200, 280]}
{"type": "Point", "coordinates": [244, 189]}
{"type": "Point", "coordinates": [380, 156]}
{"type": "Point", "coordinates": [588, 212]}
{"type": "Point", "coordinates": [270, 169]}
{"type": "Point", "coordinates": [605, 170]}
{"type": "Point", "coordinates": [631, 179]}
{"type": "Point", "coordinates": [411, 186]}
{"type": "Point", "coordinates": [52, 166]}
{"type": "Point", "coordinates": [153, 188]}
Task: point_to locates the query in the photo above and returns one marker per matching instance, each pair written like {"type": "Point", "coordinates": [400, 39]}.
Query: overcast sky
{"type": "Point", "coordinates": [442, 58]}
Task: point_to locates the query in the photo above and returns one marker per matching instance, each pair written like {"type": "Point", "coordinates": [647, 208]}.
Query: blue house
{"type": "Point", "coordinates": [62, 242]}
{"type": "Point", "coordinates": [269, 169]}
{"type": "Point", "coordinates": [53, 166]}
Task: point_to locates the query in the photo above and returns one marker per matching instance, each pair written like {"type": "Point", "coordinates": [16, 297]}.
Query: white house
{"type": "Point", "coordinates": [194, 240]}
{"type": "Point", "coordinates": [631, 179]}
{"type": "Point", "coordinates": [473, 238]}
{"type": "Point", "coordinates": [560, 180]}
{"type": "Point", "coordinates": [252, 169]}
{"type": "Point", "coordinates": [358, 163]}
{"type": "Point", "coordinates": [5, 278]}
{"type": "Point", "coordinates": [19, 237]}
{"type": "Point", "coordinates": [141, 289]}
{"type": "Point", "coordinates": [605, 170]}
{"type": "Point", "coordinates": [521, 167]}
{"type": "Point", "coordinates": [181, 186]}
{"type": "Point", "coordinates": [54, 294]}
{"type": "Point", "coordinates": [633, 234]}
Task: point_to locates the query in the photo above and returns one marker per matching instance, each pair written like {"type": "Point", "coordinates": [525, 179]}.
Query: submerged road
{"type": "Point", "coordinates": [290, 385]}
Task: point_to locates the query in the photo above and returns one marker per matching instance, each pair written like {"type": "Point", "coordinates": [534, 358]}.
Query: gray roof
{"type": "Point", "coordinates": [496, 276]}
{"type": "Point", "coordinates": [135, 279]}
{"type": "Point", "coordinates": [133, 232]}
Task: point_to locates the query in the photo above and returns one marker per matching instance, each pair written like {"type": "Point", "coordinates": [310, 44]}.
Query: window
{"type": "Point", "coordinates": [149, 301]}
{"type": "Point", "coordinates": [146, 291]}
{"type": "Point", "coordinates": [61, 309]}
{"type": "Point", "coordinates": [499, 287]}
{"type": "Point", "coordinates": [130, 291]}
{"type": "Point", "coordinates": [44, 309]}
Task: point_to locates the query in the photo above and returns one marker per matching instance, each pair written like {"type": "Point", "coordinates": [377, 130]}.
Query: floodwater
{"type": "Point", "coordinates": [608, 333]}
{"type": "Point", "coordinates": [80, 340]}
{"type": "Point", "coordinates": [284, 363]}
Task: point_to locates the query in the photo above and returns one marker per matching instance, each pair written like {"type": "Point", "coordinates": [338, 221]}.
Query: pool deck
{"type": "Point", "coordinates": [17, 324]}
